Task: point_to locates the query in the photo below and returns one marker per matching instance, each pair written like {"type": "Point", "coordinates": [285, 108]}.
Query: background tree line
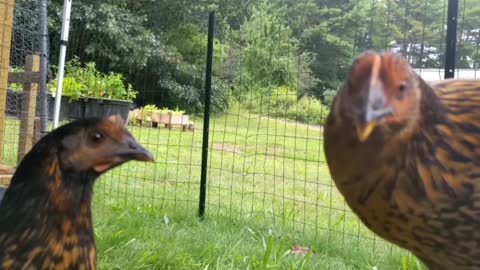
{"type": "Point", "coordinates": [262, 47]}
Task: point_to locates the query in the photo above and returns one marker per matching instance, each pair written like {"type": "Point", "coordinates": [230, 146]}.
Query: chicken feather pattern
{"type": "Point", "coordinates": [420, 189]}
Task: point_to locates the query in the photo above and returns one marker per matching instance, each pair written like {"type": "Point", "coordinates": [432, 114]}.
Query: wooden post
{"type": "Point", "coordinates": [37, 130]}
{"type": "Point", "coordinates": [6, 26]}
{"type": "Point", "coordinates": [29, 108]}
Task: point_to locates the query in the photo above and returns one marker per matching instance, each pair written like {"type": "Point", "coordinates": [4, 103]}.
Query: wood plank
{"type": "Point", "coordinates": [24, 77]}
{"type": "Point", "coordinates": [6, 173]}
{"type": "Point", "coordinates": [29, 107]}
{"type": "Point", "coordinates": [37, 128]}
{"type": "Point", "coordinates": [6, 26]}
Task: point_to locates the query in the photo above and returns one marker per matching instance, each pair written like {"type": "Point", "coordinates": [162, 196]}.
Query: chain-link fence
{"type": "Point", "coordinates": [275, 73]}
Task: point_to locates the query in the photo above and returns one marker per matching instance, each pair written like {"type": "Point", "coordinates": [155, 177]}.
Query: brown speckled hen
{"type": "Point", "coordinates": [45, 215]}
{"type": "Point", "coordinates": [406, 156]}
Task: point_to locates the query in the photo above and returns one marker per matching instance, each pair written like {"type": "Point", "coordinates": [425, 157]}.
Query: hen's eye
{"type": "Point", "coordinates": [97, 137]}
{"type": "Point", "coordinates": [402, 87]}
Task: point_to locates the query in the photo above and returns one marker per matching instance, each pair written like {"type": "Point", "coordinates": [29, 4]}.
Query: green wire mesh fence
{"type": "Point", "coordinates": [276, 68]}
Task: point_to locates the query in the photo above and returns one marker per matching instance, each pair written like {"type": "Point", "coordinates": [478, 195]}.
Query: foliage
{"type": "Point", "coordinates": [283, 97]}
{"type": "Point", "coordinates": [307, 45]}
{"type": "Point", "coordinates": [269, 48]}
{"type": "Point", "coordinates": [149, 109]}
{"type": "Point", "coordinates": [308, 110]}
{"type": "Point", "coordinates": [329, 96]}
{"type": "Point", "coordinates": [87, 81]}
{"type": "Point", "coordinates": [16, 87]}
{"type": "Point", "coordinates": [283, 101]}
{"type": "Point", "coordinates": [71, 88]}
{"type": "Point", "coordinates": [159, 45]}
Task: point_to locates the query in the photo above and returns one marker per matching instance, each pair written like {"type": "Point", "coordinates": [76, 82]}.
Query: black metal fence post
{"type": "Point", "coordinates": [451, 48]}
{"type": "Point", "coordinates": [206, 116]}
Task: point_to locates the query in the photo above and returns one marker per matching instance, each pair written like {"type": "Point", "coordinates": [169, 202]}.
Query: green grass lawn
{"type": "Point", "coordinates": [268, 190]}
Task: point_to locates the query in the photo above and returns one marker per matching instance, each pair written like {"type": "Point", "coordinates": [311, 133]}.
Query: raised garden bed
{"type": "Point", "coordinates": [154, 119]}
{"type": "Point", "coordinates": [170, 119]}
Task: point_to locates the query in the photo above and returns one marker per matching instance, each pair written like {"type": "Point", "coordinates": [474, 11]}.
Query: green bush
{"type": "Point", "coordinates": [87, 81]}
{"type": "Point", "coordinates": [308, 110]}
{"type": "Point", "coordinates": [283, 102]}
{"type": "Point", "coordinates": [271, 101]}
{"type": "Point", "coordinates": [283, 98]}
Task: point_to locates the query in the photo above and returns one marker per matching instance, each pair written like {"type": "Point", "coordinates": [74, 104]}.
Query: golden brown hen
{"type": "Point", "coordinates": [406, 156]}
{"type": "Point", "coordinates": [45, 215]}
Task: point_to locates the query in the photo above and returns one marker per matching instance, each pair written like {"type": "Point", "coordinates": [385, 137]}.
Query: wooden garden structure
{"type": "Point", "coordinates": [30, 81]}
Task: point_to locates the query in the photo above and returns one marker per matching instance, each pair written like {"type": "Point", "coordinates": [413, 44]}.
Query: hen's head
{"type": "Point", "coordinates": [90, 145]}
{"type": "Point", "coordinates": [382, 92]}
{"type": "Point", "coordinates": [98, 145]}
{"type": "Point", "coordinates": [63, 165]}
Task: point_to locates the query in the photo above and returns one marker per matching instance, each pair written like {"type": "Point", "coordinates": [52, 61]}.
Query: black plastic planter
{"type": "Point", "coordinates": [106, 107]}
{"type": "Point", "coordinates": [91, 107]}
{"type": "Point", "coordinates": [118, 107]}
{"type": "Point", "coordinates": [94, 107]}
{"type": "Point", "coordinates": [69, 110]}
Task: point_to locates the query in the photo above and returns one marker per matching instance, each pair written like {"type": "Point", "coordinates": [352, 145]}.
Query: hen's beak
{"type": "Point", "coordinates": [130, 150]}
{"type": "Point", "coordinates": [133, 150]}
{"type": "Point", "coordinates": [365, 131]}
{"type": "Point", "coordinates": [377, 108]}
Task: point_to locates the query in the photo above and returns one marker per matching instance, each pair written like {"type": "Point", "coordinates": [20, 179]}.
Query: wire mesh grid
{"type": "Point", "coordinates": [266, 160]}
{"type": "Point", "coordinates": [24, 56]}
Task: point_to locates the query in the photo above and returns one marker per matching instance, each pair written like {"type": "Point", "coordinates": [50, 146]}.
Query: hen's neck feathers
{"type": "Point", "coordinates": [431, 108]}
{"type": "Point", "coordinates": [41, 183]}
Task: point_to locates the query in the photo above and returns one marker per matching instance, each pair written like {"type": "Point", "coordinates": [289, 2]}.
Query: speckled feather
{"type": "Point", "coordinates": [45, 215]}
{"type": "Point", "coordinates": [47, 232]}
{"type": "Point", "coordinates": [418, 187]}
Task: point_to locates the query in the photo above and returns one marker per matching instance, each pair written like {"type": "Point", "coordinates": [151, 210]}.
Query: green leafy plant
{"type": "Point", "coordinates": [17, 87]}
{"type": "Point", "coordinates": [164, 110]}
{"type": "Point", "coordinates": [71, 88]}
{"type": "Point", "coordinates": [148, 110]}
{"type": "Point", "coordinates": [86, 81]}
{"type": "Point", "coordinates": [177, 111]}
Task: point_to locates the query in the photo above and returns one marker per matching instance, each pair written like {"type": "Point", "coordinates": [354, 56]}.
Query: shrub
{"type": "Point", "coordinates": [282, 101]}
{"type": "Point", "coordinates": [271, 101]}
{"type": "Point", "coordinates": [308, 110]}
{"type": "Point", "coordinates": [283, 98]}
